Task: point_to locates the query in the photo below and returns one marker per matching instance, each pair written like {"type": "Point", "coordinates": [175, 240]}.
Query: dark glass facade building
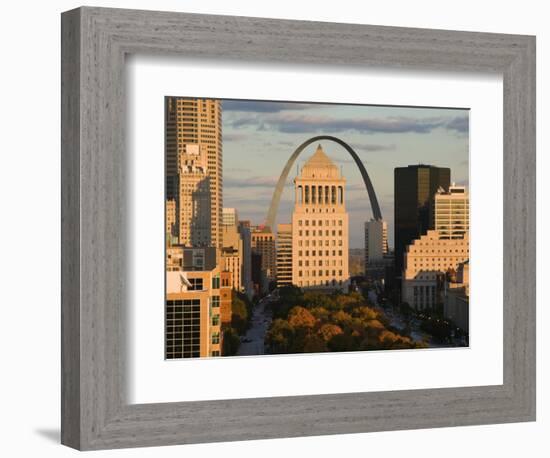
{"type": "Point", "coordinates": [414, 189]}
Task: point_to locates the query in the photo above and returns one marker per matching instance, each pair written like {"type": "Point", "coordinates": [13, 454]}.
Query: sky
{"type": "Point", "coordinates": [259, 137]}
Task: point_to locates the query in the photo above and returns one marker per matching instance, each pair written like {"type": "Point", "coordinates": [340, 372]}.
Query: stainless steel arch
{"type": "Point", "coordinates": [274, 207]}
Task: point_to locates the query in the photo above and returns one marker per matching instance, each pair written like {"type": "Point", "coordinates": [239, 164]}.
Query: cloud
{"type": "Point", "coordinates": [234, 137]}
{"type": "Point", "coordinates": [370, 147]}
{"type": "Point", "coordinates": [299, 123]}
{"type": "Point", "coordinates": [460, 124]}
{"type": "Point", "coordinates": [237, 170]}
{"type": "Point", "coordinates": [258, 106]}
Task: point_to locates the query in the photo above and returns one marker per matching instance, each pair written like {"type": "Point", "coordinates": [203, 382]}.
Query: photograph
{"type": "Point", "coordinates": [305, 227]}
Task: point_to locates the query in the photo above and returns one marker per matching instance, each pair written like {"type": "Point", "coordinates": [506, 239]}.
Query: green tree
{"type": "Point", "coordinates": [231, 342]}
{"type": "Point", "coordinates": [239, 314]}
{"type": "Point", "coordinates": [280, 336]}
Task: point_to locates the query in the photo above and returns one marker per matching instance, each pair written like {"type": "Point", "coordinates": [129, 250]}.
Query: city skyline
{"type": "Point", "coordinates": [259, 136]}
{"type": "Point", "coordinates": [249, 274]}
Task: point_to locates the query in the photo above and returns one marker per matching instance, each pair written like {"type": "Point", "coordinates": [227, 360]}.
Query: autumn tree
{"type": "Point", "coordinates": [299, 317]}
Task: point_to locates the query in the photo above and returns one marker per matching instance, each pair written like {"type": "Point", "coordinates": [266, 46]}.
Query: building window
{"type": "Point", "coordinates": [215, 338]}
{"type": "Point", "coordinates": [215, 320]}
{"type": "Point", "coordinates": [215, 352]}
{"type": "Point", "coordinates": [183, 328]}
{"type": "Point", "coordinates": [216, 282]}
{"type": "Point", "coordinates": [196, 284]}
{"type": "Point", "coordinates": [215, 301]}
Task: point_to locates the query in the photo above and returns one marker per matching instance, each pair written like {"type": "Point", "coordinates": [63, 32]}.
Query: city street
{"type": "Point", "coordinates": [253, 342]}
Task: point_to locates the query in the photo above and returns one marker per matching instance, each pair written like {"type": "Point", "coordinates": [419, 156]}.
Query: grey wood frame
{"type": "Point", "coordinates": [95, 412]}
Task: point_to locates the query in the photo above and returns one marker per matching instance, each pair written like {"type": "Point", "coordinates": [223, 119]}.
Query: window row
{"type": "Point", "coordinates": [317, 194]}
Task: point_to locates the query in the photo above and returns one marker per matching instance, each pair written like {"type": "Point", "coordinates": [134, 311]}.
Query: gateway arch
{"type": "Point", "coordinates": [274, 207]}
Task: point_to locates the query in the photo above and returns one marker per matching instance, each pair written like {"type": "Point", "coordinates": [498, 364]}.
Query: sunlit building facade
{"type": "Point", "coordinates": [320, 226]}
{"type": "Point", "coordinates": [452, 212]}
{"type": "Point", "coordinates": [284, 255]}
{"type": "Point", "coordinates": [194, 127]}
{"type": "Point", "coordinates": [427, 260]}
{"type": "Point", "coordinates": [194, 304]}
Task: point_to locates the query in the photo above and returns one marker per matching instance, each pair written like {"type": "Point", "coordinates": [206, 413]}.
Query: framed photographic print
{"type": "Point", "coordinates": [343, 216]}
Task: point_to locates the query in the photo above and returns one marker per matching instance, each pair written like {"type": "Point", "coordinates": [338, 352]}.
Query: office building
{"type": "Point", "coordinates": [193, 127]}
{"type": "Point", "coordinates": [262, 242]}
{"type": "Point", "coordinates": [452, 212]}
{"type": "Point", "coordinates": [414, 190]}
{"type": "Point", "coordinates": [194, 198]}
{"type": "Point", "coordinates": [229, 217]}
{"type": "Point", "coordinates": [284, 255]}
{"type": "Point", "coordinates": [376, 248]}
{"type": "Point", "coordinates": [320, 226]}
{"type": "Point", "coordinates": [427, 261]}
{"type": "Point", "coordinates": [193, 304]}
{"type": "Point", "coordinates": [171, 222]}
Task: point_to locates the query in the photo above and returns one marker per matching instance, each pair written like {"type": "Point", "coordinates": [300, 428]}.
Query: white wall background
{"type": "Point", "coordinates": [30, 247]}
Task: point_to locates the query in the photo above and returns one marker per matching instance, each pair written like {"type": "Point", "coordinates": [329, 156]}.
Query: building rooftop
{"type": "Point", "coordinates": [320, 165]}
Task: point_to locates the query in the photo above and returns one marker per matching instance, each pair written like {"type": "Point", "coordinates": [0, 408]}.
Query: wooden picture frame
{"type": "Point", "coordinates": [95, 411]}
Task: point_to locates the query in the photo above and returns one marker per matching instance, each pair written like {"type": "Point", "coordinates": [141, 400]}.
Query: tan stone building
{"type": "Point", "coordinates": [194, 198]}
{"type": "Point", "coordinates": [320, 235]}
{"type": "Point", "coordinates": [196, 297]}
{"type": "Point", "coordinates": [284, 255]}
{"type": "Point", "coordinates": [171, 222]}
{"type": "Point", "coordinates": [452, 212]}
{"type": "Point", "coordinates": [194, 126]}
{"type": "Point", "coordinates": [262, 243]}
{"type": "Point", "coordinates": [232, 259]}
{"type": "Point", "coordinates": [376, 248]}
{"type": "Point", "coordinates": [426, 261]}
{"type": "Point", "coordinates": [230, 217]}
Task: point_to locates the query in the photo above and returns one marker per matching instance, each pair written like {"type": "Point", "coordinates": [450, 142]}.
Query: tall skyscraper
{"type": "Point", "coordinates": [414, 190]}
{"type": "Point", "coordinates": [194, 208]}
{"type": "Point", "coordinates": [195, 123]}
{"type": "Point", "coordinates": [284, 255]}
{"type": "Point", "coordinates": [320, 237]}
{"type": "Point", "coordinates": [452, 212]}
{"type": "Point", "coordinates": [376, 247]}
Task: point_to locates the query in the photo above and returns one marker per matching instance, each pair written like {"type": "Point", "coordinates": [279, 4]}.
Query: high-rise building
{"type": "Point", "coordinates": [194, 198]}
{"type": "Point", "coordinates": [193, 304]}
{"type": "Point", "coordinates": [320, 237]}
{"type": "Point", "coordinates": [195, 123]}
{"type": "Point", "coordinates": [452, 212]}
{"type": "Point", "coordinates": [414, 190]}
{"type": "Point", "coordinates": [232, 255]}
{"type": "Point", "coordinates": [284, 255]}
{"type": "Point", "coordinates": [376, 247]}
{"type": "Point", "coordinates": [229, 217]}
{"type": "Point", "coordinates": [262, 242]}
{"type": "Point", "coordinates": [427, 261]}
